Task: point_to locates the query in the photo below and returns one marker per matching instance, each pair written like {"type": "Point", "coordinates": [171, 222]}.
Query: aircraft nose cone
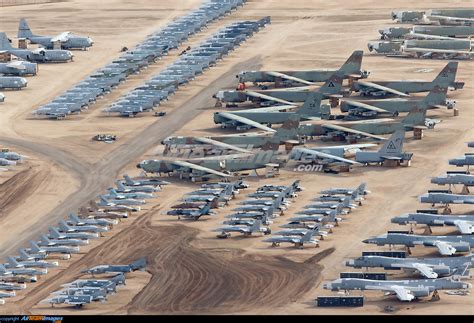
{"type": "Point", "coordinates": [139, 165]}
{"type": "Point", "coordinates": [350, 262]}
{"type": "Point", "coordinates": [327, 286]}
{"type": "Point", "coordinates": [367, 241]}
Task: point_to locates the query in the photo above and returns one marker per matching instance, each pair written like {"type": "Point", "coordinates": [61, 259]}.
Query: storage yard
{"type": "Point", "coordinates": [196, 266]}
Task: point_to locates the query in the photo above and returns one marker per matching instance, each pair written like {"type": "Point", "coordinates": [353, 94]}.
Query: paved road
{"type": "Point", "coordinates": [95, 178]}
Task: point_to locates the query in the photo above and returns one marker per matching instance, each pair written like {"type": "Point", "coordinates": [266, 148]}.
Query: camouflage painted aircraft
{"type": "Point", "coordinates": [36, 55]}
{"type": "Point", "coordinates": [352, 70]}
{"type": "Point", "coordinates": [446, 77]}
{"type": "Point", "coordinates": [67, 39]}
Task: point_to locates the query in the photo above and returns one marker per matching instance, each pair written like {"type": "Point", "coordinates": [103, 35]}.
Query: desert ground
{"type": "Point", "coordinates": [190, 271]}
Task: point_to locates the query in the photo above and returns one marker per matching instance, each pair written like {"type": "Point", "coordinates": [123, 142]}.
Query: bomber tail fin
{"type": "Point", "coordinates": [447, 76]}
{"type": "Point", "coordinates": [353, 64]}
{"type": "Point", "coordinates": [394, 145]}
{"type": "Point", "coordinates": [289, 129]}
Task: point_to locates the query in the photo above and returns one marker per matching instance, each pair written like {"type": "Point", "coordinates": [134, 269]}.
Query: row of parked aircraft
{"type": "Point", "coordinates": [153, 48]}
{"type": "Point", "coordinates": [75, 231]}
{"type": "Point", "coordinates": [84, 291]}
{"type": "Point", "coordinates": [438, 273]}
{"type": "Point", "coordinates": [10, 158]}
{"type": "Point", "coordinates": [436, 34]}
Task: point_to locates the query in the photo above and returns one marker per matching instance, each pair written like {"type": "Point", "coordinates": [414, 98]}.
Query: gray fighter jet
{"type": "Point", "coordinates": [35, 248]}
{"type": "Point", "coordinates": [37, 55]}
{"type": "Point", "coordinates": [75, 220]}
{"type": "Point", "coordinates": [55, 234]}
{"type": "Point", "coordinates": [405, 290]}
{"type": "Point", "coordinates": [103, 201]}
{"type": "Point", "coordinates": [45, 241]}
{"type": "Point", "coordinates": [76, 300]}
{"type": "Point", "coordinates": [330, 217]}
{"type": "Point", "coordinates": [446, 245]}
{"type": "Point", "coordinates": [14, 263]}
{"type": "Point", "coordinates": [67, 40]}
{"type": "Point", "coordinates": [143, 182]}
{"type": "Point", "coordinates": [298, 241]}
{"type": "Point", "coordinates": [102, 269]}
{"type": "Point", "coordinates": [22, 271]}
{"type": "Point", "coordinates": [113, 194]}
{"type": "Point", "coordinates": [64, 227]}
{"type": "Point", "coordinates": [11, 287]}
{"type": "Point", "coordinates": [121, 188]}
{"type": "Point", "coordinates": [256, 227]}
{"type": "Point", "coordinates": [191, 213]}
{"type": "Point", "coordinates": [427, 267]}
{"type": "Point", "coordinates": [463, 223]}
{"type": "Point", "coordinates": [361, 189]}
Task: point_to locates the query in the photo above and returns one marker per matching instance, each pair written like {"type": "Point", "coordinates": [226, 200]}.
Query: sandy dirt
{"type": "Point", "coordinates": [190, 271]}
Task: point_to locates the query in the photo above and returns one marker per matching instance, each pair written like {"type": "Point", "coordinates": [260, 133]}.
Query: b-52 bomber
{"type": "Point", "coordinates": [427, 267]}
{"type": "Point", "coordinates": [446, 245]}
{"type": "Point", "coordinates": [382, 88]}
{"type": "Point", "coordinates": [463, 223]}
{"type": "Point", "coordinates": [36, 55]}
{"type": "Point", "coordinates": [466, 160]}
{"type": "Point", "coordinates": [405, 290]}
{"type": "Point", "coordinates": [66, 39]}
{"type": "Point", "coordinates": [390, 151]}
{"type": "Point", "coordinates": [351, 68]}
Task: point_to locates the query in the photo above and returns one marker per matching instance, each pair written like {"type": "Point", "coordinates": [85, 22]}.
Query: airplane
{"type": "Point", "coordinates": [248, 221]}
{"type": "Point", "coordinates": [361, 189]}
{"type": "Point", "coordinates": [367, 128]}
{"type": "Point", "coordinates": [355, 196]}
{"type": "Point", "coordinates": [405, 290]}
{"type": "Point", "coordinates": [466, 160]}
{"type": "Point", "coordinates": [64, 227]}
{"type": "Point", "coordinates": [22, 271]}
{"type": "Point", "coordinates": [67, 39]}
{"type": "Point", "coordinates": [113, 194]}
{"type": "Point", "coordinates": [53, 249]}
{"type": "Point", "coordinates": [18, 68]}
{"type": "Point", "coordinates": [298, 241]}
{"type": "Point", "coordinates": [12, 82]}
{"type": "Point", "coordinates": [36, 55]}
{"type": "Point", "coordinates": [321, 218]}
{"type": "Point", "coordinates": [190, 213]}
{"type": "Point", "coordinates": [302, 231]}
{"type": "Point", "coordinates": [463, 223]}
{"type": "Point", "coordinates": [26, 255]}
{"type": "Point", "coordinates": [238, 184]}
{"type": "Point", "coordinates": [84, 212]}
{"type": "Point", "coordinates": [453, 179]}
{"type": "Point", "coordinates": [55, 234]}
{"type": "Point", "coordinates": [446, 198]}
{"type": "Point", "coordinates": [445, 31]}
{"type": "Point", "coordinates": [277, 204]}
{"type": "Point", "coordinates": [446, 245]}
{"type": "Point", "coordinates": [323, 211]}
{"type": "Point", "coordinates": [75, 220]}
{"type": "Point", "coordinates": [76, 300]}
{"type": "Point", "coordinates": [450, 16]}
{"type": "Point", "coordinates": [14, 263]}
{"type": "Point", "coordinates": [6, 294]}
{"type": "Point", "coordinates": [238, 142]}
{"type": "Point", "coordinates": [113, 202]}
{"type": "Point", "coordinates": [245, 230]}
{"type": "Point", "coordinates": [45, 241]}
{"type": "Point", "coordinates": [255, 215]}
{"type": "Point", "coordinates": [121, 188]}
{"type": "Point", "coordinates": [310, 110]}
{"type": "Point", "coordinates": [346, 203]}
{"type": "Point", "coordinates": [143, 182]}
{"type": "Point", "coordinates": [408, 16]}
{"type": "Point", "coordinates": [103, 269]}
{"type": "Point", "coordinates": [110, 207]}
{"type": "Point", "coordinates": [352, 70]}
{"type": "Point", "coordinates": [437, 48]}
{"type": "Point", "coordinates": [119, 279]}
{"type": "Point", "coordinates": [435, 99]}
{"type": "Point", "coordinates": [97, 293]}
{"type": "Point", "coordinates": [447, 77]}
{"type": "Point", "coordinates": [11, 287]}
{"type": "Point", "coordinates": [391, 150]}
{"type": "Point", "coordinates": [427, 267]}
{"type": "Point", "coordinates": [10, 155]}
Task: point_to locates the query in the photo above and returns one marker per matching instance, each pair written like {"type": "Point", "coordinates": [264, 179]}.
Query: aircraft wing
{"type": "Point", "coordinates": [220, 144]}
{"type": "Point", "coordinates": [382, 88]}
{"type": "Point", "coordinates": [199, 168]}
{"type": "Point", "coordinates": [367, 106]}
{"type": "Point", "coordinates": [269, 109]}
{"type": "Point", "coordinates": [266, 97]}
{"type": "Point", "coordinates": [402, 293]}
{"type": "Point", "coordinates": [444, 248]}
{"type": "Point", "coordinates": [290, 78]}
{"type": "Point", "coordinates": [352, 131]}
{"type": "Point", "coordinates": [325, 155]}
{"type": "Point", "coordinates": [16, 65]}
{"type": "Point", "coordinates": [425, 270]}
{"type": "Point", "coordinates": [451, 18]}
{"type": "Point", "coordinates": [391, 157]}
{"type": "Point", "coordinates": [38, 50]}
{"type": "Point", "coordinates": [434, 50]}
{"type": "Point", "coordinates": [62, 37]}
{"type": "Point", "coordinates": [353, 146]}
{"type": "Point", "coordinates": [246, 121]}
{"type": "Point", "coordinates": [464, 227]}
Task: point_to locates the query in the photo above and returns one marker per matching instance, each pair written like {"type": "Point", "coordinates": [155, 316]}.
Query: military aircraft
{"type": "Point", "coordinates": [36, 55]}
{"type": "Point", "coordinates": [27, 255]}
{"type": "Point", "coordinates": [391, 150]}
{"type": "Point", "coordinates": [322, 211]}
{"type": "Point", "coordinates": [75, 220]}
{"type": "Point", "coordinates": [22, 271]}
{"type": "Point", "coordinates": [355, 196]}
{"type": "Point", "coordinates": [238, 184]}
{"type": "Point", "coordinates": [53, 249]}
{"type": "Point", "coordinates": [361, 189]}
{"type": "Point", "coordinates": [64, 227]}
{"type": "Point", "coordinates": [108, 284]}
{"type": "Point", "coordinates": [45, 241]}
{"type": "Point", "coordinates": [55, 234]}
{"type": "Point", "coordinates": [298, 241]}
{"type": "Point", "coordinates": [405, 290]}
{"type": "Point", "coordinates": [102, 269]}
{"type": "Point", "coordinates": [302, 231]}
{"type": "Point", "coordinates": [261, 214]}
{"type": "Point", "coordinates": [67, 39]}
{"type": "Point", "coordinates": [6, 162]}
{"type": "Point", "coordinates": [446, 198]}
{"type": "Point", "coordinates": [113, 202]}
{"type": "Point", "coordinates": [95, 214]}
{"type": "Point", "coordinates": [447, 77]}
{"type": "Point", "coordinates": [121, 188]}
{"type": "Point", "coordinates": [427, 267]}
{"type": "Point", "coordinates": [245, 230]}
{"type": "Point", "coordinates": [453, 178]}
{"type": "Point", "coordinates": [76, 300]}
{"type": "Point", "coordinates": [12, 82]}
{"type": "Point", "coordinates": [110, 207]}
{"type": "Point", "coordinates": [143, 182]}
{"type": "Point", "coordinates": [10, 155]}
{"type": "Point", "coordinates": [466, 160]}
{"type": "Point", "coordinates": [238, 142]}
{"type": "Point", "coordinates": [18, 68]}
{"type": "Point", "coordinates": [346, 203]}
{"type": "Point", "coordinates": [463, 223]}
{"type": "Point", "coordinates": [408, 16]}
{"type": "Point", "coordinates": [330, 216]}
{"type": "Point", "coordinates": [15, 263]}
{"type": "Point", "coordinates": [444, 31]}
{"type": "Point", "coordinates": [437, 48]}
{"type": "Point", "coordinates": [11, 287]}
{"type": "Point", "coordinates": [450, 16]}
{"type": "Point", "coordinates": [435, 99]}
{"type": "Point", "coordinates": [351, 68]}
{"type": "Point", "coordinates": [113, 194]}
{"type": "Point", "coordinates": [191, 213]}
{"type": "Point", "coordinates": [446, 245]}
